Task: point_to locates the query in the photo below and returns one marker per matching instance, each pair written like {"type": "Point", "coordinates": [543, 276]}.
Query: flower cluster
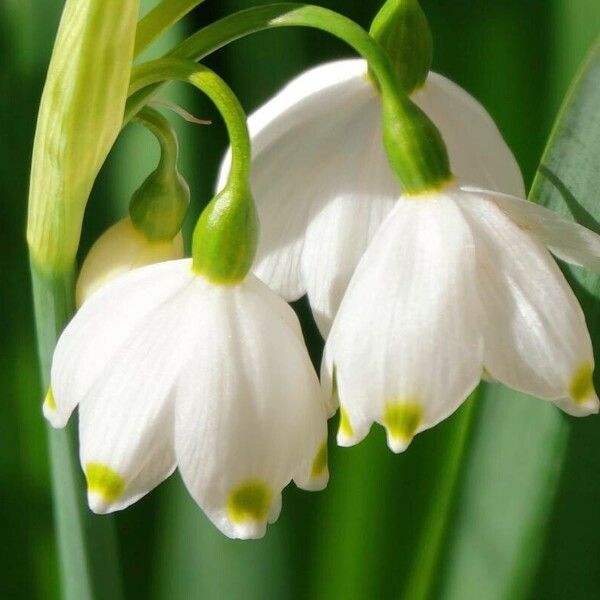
{"type": "Point", "coordinates": [421, 279]}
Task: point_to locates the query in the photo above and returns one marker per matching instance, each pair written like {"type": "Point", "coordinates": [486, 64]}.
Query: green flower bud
{"type": "Point", "coordinates": [401, 27]}
{"type": "Point", "coordinates": [226, 236]}
{"type": "Point", "coordinates": [414, 146]}
{"type": "Point", "coordinates": [159, 205]}
{"type": "Point", "coordinates": [80, 116]}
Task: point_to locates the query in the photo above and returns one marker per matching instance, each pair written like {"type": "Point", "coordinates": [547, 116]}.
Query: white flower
{"type": "Point", "coordinates": [453, 283]}
{"type": "Point", "coordinates": [120, 249]}
{"type": "Point", "coordinates": [322, 181]}
{"type": "Point", "coordinates": [171, 370]}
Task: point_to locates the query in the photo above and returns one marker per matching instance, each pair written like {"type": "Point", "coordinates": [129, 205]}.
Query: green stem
{"type": "Point", "coordinates": [162, 129]}
{"type": "Point", "coordinates": [159, 19]}
{"type": "Point", "coordinates": [243, 23]}
{"type": "Point", "coordinates": [167, 69]}
{"type": "Point", "coordinates": [86, 543]}
{"type": "Point", "coordinates": [427, 555]}
{"type": "Point", "coordinates": [415, 148]}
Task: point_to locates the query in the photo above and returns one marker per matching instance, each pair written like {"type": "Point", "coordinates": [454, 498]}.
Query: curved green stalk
{"type": "Point", "coordinates": [159, 19]}
{"type": "Point", "coordinates": [243, 23]}
{"type": "Point", "coordinates": [415, 147]}
{"type": "Point", "coordinates": [175, 69]}
{"type": "Point", "coordinates": [163, 131]}
{"type": "Point", "coordinates": [226, 235]}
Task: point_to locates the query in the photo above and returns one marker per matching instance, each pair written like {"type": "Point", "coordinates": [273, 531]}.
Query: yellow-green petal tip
{"type": "Point", "coordinates": [104, 482]}
{"type": "Point", "coordinates": [249, 502]}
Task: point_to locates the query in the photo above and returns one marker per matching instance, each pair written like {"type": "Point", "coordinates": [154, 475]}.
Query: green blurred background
{"type": "Point", "coordinates": [381, 514]}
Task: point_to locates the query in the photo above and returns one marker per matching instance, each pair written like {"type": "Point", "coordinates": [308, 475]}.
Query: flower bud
{"type": "Point", "coordinates": [120, 249]}
{"type": "Point", "coordinates": [401, 27]}
{"type": "Point", "coordinates": [414, 146]}
{"type": "Point", "coordinates": [159, 205]}
{"type": "Point", "coordinates": [226, 236]}
{"type": "Point", "coordinates": [80, 116]}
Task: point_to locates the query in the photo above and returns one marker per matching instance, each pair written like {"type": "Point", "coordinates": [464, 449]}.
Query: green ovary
{"type": "Point", "coordinates": [249, 502]}
{"type": "Point", "coordinates": [103, 481]}
{"type": "Point", "coordinates": [582, 384]}
{"type": "Point", "coordinates": [401, 418]}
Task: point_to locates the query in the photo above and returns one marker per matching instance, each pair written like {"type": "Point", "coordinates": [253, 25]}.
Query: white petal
{"type": "Point", "coordinates": [249, 409]}
{"type": "Point", "coordinates": [120, 249]}
{"type": "Point", "coordinates": [358, 195]}
{"type": "Point", "coordinates": [295, 136]}
{"type": "Point", "coordinates": [126, 420]}
{"type": "Point", "coordinates": [566, 239]}
{"type": "Point", "coordinates": [103, 326]}
{"type": "Point", "coordinates": [406, 344]}
{"type": "Point", "coordinates": [320, 167]}
{"type": "Point", "coordinates": [536, 340]}
{"type": "Point", "coordinates": [478, 153]}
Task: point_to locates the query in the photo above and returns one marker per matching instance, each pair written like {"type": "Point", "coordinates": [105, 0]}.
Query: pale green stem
{"type": "Point", "coordinates": [159, 19]}
{"type": "Point", "coordinates": [427, 554]}
{"type": "Point", "coordinates": [86, 542]}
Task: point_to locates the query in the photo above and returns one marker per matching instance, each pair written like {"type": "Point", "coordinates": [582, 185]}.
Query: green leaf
{"type": "Point", "coordinates": [519, 445]}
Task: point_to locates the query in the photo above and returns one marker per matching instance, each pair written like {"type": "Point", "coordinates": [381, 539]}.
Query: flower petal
{"type": "Point", "coordinates": [566, 239]}
{"type": "Point", "coordinates": [536, 340]}
{"type": "Point", "coordinates": [126, 420]}
{"type": "Point", "coordinates": [103, 326]}
{"type": "Point", "coordinates": [249, 410]}
{"type": "Point", "coordinates": [478, 153]}
{"type": "Point", "coordinates": [296, 136]}
{"type": "Point", "coordinates": [406, 344]}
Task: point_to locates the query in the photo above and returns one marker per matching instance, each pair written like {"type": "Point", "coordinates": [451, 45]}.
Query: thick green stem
{"type": "Point", "coordinates": [86, 542]}
{"type": "Point", "coordinates": [159, 19]}
{"type": "Point", "coordinates": [415, 147]}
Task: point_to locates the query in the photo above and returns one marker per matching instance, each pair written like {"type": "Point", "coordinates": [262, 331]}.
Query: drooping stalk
{"type": "Point", "coordinates": [414, 146]}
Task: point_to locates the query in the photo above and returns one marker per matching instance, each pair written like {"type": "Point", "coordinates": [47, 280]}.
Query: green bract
{"type": "Point", "coordinates": [401, 27]}
{"type": "Point", "coordinates": [80, 116]}
{"type": "Point", "coordinates": [159, 205]}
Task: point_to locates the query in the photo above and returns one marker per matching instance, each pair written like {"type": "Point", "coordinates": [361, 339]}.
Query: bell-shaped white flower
{"type": "Point", "coordinates": [169, 369]}
{"type": "Point", "coordinates": [455, 283]}
{"type": "Point", "coordinates": [322, 180]}
{"type": "Point", "coordinates": [120, 249]}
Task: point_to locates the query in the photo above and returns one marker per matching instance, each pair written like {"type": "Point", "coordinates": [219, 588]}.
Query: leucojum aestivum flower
{"type": "Point", "coordinates": [387, 195]}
